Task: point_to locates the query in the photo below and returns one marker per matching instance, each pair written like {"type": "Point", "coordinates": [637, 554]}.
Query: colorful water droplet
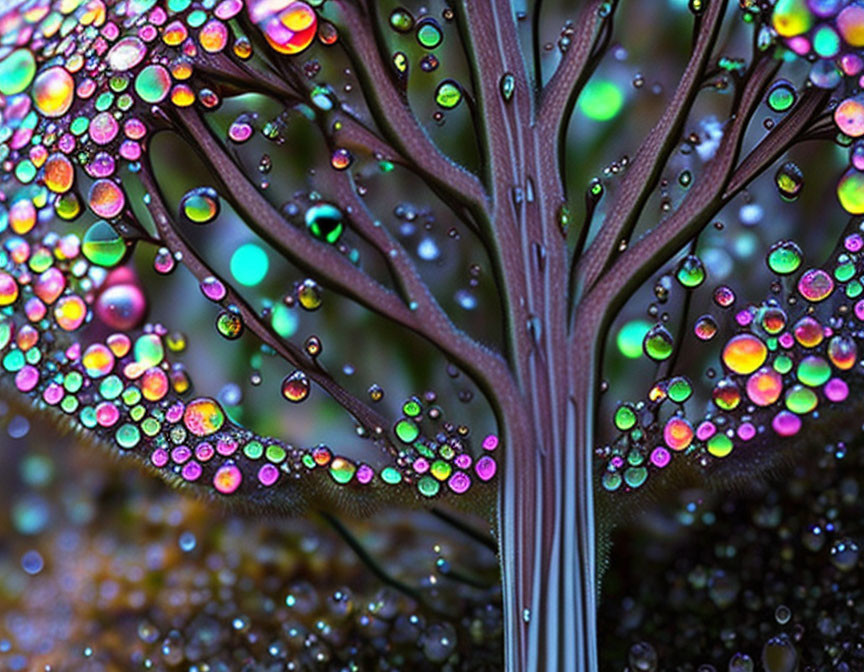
{"type": "Point", "coordinates": [295, 387]}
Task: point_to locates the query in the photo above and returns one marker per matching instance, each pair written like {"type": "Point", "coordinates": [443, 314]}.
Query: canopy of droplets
{"type": "Point", "coordinates": [83, 88]}
{"type": "Point", "coordinates": [783, 364]}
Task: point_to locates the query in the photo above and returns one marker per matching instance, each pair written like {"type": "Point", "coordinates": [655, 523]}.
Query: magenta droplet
{"type": "Point", "coordinates": [836, 390]}
{"type": "Point", "coordinates": [268, 474]}
{"type": "Point", "coordinates": [660, 457]}
{"type": "Point", "coordinates": [786, 423]}
{"type": "Point", "coordinates": [459, 482]}
{"type": "Point", "coordinates": [486, 468]}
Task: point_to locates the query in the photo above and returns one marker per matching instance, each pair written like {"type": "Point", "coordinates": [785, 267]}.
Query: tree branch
{"type": "Point", "coordinates": [488, 369]}
{"type": "Point", "coordinates": [716, 187]}
{"type": "Point", "coordinates": [368, 418]}
{"type": "Point", "coordinates": [395, 118]}
{"type": "Point", "coordinates": [559, 95]}
{"type": "Point", "coordinates": [652, 155]}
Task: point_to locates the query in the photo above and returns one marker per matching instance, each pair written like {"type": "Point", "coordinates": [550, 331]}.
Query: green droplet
{"type": "Point", "coordinates": [127, 436]}
{"type": "Point", "coordinates": [429, 33]}
{"type": "Point", "coordinates": [625, 417]}
{"type": "Point", "coordinates": [407, 431]}
{"type": "Point", "coordinates": [679, 389]}
{"type": "Point", "coordinates": [635, 476]}
{"type": "Point", "coordinates": [658, 343]}
{"type": "Point", "coordinates": [17, 71]}
{"type": "Point", "coordinates": [324, 221]}
{"type": "Point", "coordinates": [428, 486]}
{"type": "Point", "coordinates": [813, 371]}
{"type": "Point", "coordinates": [391, 476]}
{"type": "Point", "coordinates": [448, 94]}
{"type": "Point", "coordinates": [275, 453]}
{"type": "Point", "coordinates": [784, 257]}
{"type": "Point", "coordinates": [719, 445]}
{"type": "Point", "coordinates": [342, 471]}
{"type": "Point", "coordinates": [801, 400]}
{"type": "Point", "coordinates": [781, 96]}
{"type": "Point", "coordinates": [691, 271]}
{"type": "Point", "coordinates": [200, 205]}
{"type": "Point", "coordinates": [102, 245]}
{"type": "Point", "coordinates": [789, 180]}
{"type": "Point", "coordinates": [401, 20]}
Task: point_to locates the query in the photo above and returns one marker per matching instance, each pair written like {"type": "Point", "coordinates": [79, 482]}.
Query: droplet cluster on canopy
{"type": "Point", "coordinates": [792, 357]}
{"type": "Point", "coordinates": [83, 88]}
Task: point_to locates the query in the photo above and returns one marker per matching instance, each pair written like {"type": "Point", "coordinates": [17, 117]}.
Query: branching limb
{"type": "Point", "coordinates": [368, 418]}
{"type": "Point", "coordinates": [652, 155]}
{"type": "Point", "coordinates": [559, 95]}
{"type": "Point", "coordinates": [393, 115]}
{"type": "Point", "coordinates": [713, 190]}
{"type": "Point", "coordinates": [487, 368]}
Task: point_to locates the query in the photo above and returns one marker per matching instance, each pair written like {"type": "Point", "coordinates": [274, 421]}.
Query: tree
{"type": "Point", "coordinates": [90, 88]}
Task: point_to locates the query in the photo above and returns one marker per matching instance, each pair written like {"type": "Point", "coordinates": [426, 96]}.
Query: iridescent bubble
{"type": "Point", "coordinates": [850, 191]}
{"type": "Point", "coordinates": [153, 83]}
{"type": "Point", "coordinates": [784, 257]}
{"type": "Point", "coordinates": [54, 91]}
{"type": "Point", "coordinates": [229, 324]}
{"type": "Point", "coordinates": [678, 433]}
{"type": "Point", "coordinates": [213, 36]}
{"type": "Point", "coordinates": [17, 70]}
{"type": "Point", "coordinates": [227, 479]}
{"type": "Point", "coordinates": [200, 205]}
{"type": "Point", "coordinates": [121, 306]}
{"type": "Point", "coordinates": [815, 285]}
{"type": "Point", "coordinates": [791, 17]}
{"type": "Point", "coordinates": [295, 387]}
{"type": "Point", "coordinates": [288, 26]}
{"type": "Point", "coordinates": [69, 312]}
{"type": "Point", "coordinates": [341, 159]}
{"type": "Point", "coordinates": [325, 222]}
{"type": "Point", "coordinates": [126, 54]}
{"type": "Point", "coordinates": [850, 23]}
{"type": "Point", "coordinates": [106, 198]}
{"type": "Point", "coordinates": [744, 354]}
{"type": "Point", "coordinates": [98, 360]}
{"type": "Point", "coordinates": [102, 245]}
{"type": "Point", "coordinates": [781, 96]}
{"type": "Point", "coordinates": [203, 417]}
{"type": "Point", "coordinates": [448, 94]}
{"type": "Point", "coordinates": [849, 116]}
{"type": "Point", "coordinates": [789, 180]}
{"type": "Point", "coordinates": [764, 386]}
{"type": "Point", "coordinates": [59, 173]}
{"type": "Point", "coordinates": [658, 343]}
{"type": "Point", "coordinates": [705, 328]}
{"type": "Point", "coordinates": [842, 352]}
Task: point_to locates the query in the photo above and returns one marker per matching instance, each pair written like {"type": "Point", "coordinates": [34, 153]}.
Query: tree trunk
{"type": "Point", "coordinates": [547, 539]}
